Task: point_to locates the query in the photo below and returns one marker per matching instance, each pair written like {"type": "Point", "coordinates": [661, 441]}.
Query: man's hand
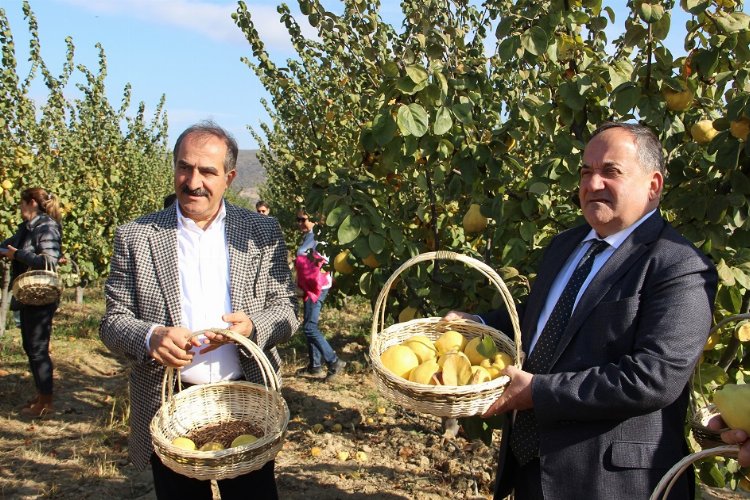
{"type": "Point", "coordinates": [517, 395]}
{"type": "Point", "coordinates": [9, 253]}
{"type": "Point", "coordinates": [239, 323]}
{"type": "Point", "coordinates": [733, 436]}
{"type": "Point", "coordinates": [170, 346]}
{"type": "Point", "coordinates": [457, 315]}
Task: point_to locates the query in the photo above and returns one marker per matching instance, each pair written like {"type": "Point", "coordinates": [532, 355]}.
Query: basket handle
{"type": "Point", "coordinates": [670, 478]}
{"type": "Point", "coordinates": [270, 378]}
{"type": "Point", "coordinates": [378, 319]}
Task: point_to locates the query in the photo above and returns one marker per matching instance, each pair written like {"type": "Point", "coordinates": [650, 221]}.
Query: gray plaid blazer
{"type": "Point", "coordinates": [143, 290]}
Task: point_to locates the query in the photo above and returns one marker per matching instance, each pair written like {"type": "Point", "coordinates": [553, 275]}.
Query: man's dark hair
{"type": "Point", "coordinates": [210, 128]}
{"type": "Point", "coordinates": [262, 203]}
{"type": "Point", "coordinates": [648, 147]}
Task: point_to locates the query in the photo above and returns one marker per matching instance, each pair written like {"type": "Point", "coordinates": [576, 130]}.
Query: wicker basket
{"type": "Point", "coordinates": [701, 410]}
{"type": "Point", "coordinates": [670, 478]}
{"type": "Point", "coordinates": [38, 287]}
{"type": "Point", "coordinates": [221, 402]}
{"type": "Point", "coordinates": [442, 401]}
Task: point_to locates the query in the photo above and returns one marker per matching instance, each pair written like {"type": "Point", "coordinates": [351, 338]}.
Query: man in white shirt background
{"type": "Point", "coordinates": [200, 263]}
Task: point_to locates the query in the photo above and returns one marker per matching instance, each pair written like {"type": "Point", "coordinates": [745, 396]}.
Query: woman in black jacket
{"type": "Point", "coordinates": [36, 245]}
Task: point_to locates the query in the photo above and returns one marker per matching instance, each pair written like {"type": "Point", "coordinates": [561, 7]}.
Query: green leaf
{"type": "Point", "coordinates": [535, 41]}
{"type": "Point", "coordinates": [650, 13]}
{"type": "Point", "coordinates": [538, 188]}
{"type": "Point", "coordinates": [348, 230]}
{"type": "Point", "coordinates": [571, 97]}
{"type": "Point", "coordinates": [417, 73]}
{"type": "Point", "coordinates": [377, 242]}
{"type": "Point", "coordinates": [443, 121]}
{"type": "Point", "coordinates": [337, 215]}
{"type": "Point", "coordinates": [487, 347]}
{"type": "Point", "coordinates": [383, 128]}
{"type": "Point", "coordinates": [462, 112]}
{"type": "Point", "coordinates": [412, 120]}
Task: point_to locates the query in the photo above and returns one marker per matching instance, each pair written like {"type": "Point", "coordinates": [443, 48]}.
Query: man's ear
{"type": "Point", "coordinates": [657, 184]}
{"type": "Point", "coordinates": [230, 176]}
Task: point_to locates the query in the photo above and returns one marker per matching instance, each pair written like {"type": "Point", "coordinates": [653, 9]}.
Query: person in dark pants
{"type": "Point", "coordinates": [613, 327]}
{"type": "Point", "coordinates": [36, 245]}
{"type": "Point", "coordinates": [200, 263]}
{"type": "Point", "coordinates": [314, 284]}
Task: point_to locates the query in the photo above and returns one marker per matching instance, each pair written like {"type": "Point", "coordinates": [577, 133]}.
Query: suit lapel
{"type": "Point", "coordinates": [239, 235]}
{"type": "Point", "coordinates": [163, 243]}
{"type": "Point", "coordinates": [618, 264]}
{"type": "Point", "coordinates": [554, 260]}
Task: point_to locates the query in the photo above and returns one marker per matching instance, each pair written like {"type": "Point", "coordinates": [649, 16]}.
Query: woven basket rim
{"type": "Point", "coordinates": [452, 401]}
{"type": "Point", "coordinates": [218, 464]}
{"type": "Point", "coordinates": [672, 475]}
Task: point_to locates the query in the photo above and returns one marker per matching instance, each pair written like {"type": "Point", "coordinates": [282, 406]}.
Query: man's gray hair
{"type": "Point", "coordinates": [210, 128]}
{"type": "Point", "coordinates": [648, 147]}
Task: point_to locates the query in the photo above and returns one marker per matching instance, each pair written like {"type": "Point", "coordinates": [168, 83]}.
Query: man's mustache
{"type": "Point", "coordinates": [194, 192]}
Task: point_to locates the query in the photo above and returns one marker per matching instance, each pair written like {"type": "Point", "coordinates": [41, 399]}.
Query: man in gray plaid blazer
{"type": "Point", "coordinates": [197, 264]}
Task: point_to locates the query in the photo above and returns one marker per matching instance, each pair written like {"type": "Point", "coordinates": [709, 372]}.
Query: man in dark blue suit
{"type": "Point", "coordinates": [612, 330]}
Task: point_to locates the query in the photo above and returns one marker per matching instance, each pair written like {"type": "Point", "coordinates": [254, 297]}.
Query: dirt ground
{"type": "Point", "coordinates": [80, 451]}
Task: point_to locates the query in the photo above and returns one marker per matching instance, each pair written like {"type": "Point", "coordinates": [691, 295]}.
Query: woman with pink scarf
{"type": "Point", "coordinates": [314, 283]}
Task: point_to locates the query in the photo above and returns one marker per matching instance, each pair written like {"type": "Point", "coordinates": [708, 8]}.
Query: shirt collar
{"type": "Point", "coordinates": [615, 240]}
{"type": "Point", "coordinates": [187, 223]}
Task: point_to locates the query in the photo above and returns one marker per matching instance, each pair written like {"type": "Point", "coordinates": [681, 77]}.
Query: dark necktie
{"type": "Point", "coordinates": [524, 439]}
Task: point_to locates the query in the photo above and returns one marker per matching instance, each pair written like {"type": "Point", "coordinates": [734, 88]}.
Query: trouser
{"type": "Point", "coordinates": [36, 329]}
{"type": "Point", "coordinates": [168, 484]}
{"type": "Point", "coordinates": [318, 348]}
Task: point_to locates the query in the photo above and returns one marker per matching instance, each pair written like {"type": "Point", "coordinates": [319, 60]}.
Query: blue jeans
{"type": "Point", "coordinates": [317, 346]}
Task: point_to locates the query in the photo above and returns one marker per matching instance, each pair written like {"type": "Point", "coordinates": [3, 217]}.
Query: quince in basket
{"type": "Point", "coordinates": [449, 360]}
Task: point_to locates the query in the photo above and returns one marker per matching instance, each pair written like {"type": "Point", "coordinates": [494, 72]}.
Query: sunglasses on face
{"type": "Point", "coordinates": [301, 219]}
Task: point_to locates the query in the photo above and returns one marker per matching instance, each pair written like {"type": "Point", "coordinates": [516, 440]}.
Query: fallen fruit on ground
{"type": "Point", "coordinates": [343, 456]}
{"type": "Point", "coordinates": [317, 428]}
{"type": "Point", "coordinates": [315, 451]}
{"type": "Point", "coordinates": [337, 427]}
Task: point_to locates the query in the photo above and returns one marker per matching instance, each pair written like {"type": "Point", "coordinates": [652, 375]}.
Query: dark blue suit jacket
{"type": "Point", "coordinates": [612, 408]}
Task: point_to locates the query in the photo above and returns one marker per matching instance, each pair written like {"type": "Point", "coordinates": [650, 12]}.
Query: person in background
{"type": "Point", "coordinates": [315, 284]}
{"type": "Point", "coordinates": [36, 244]}
{"type": "Point", "coordinates": [263, 208]}
{"type": "Point", "coordinates": [612, 330]}
{"type": "Point", "coordinates": [203, 263]}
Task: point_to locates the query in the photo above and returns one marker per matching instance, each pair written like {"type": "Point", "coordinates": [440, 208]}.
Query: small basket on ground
{"type": "Point", "coordinates": [201, 406]}
{"type": "Point", "coordinates": [441, 400]}
{"type": "Point", "coordinates": [701, 409]}
{"type": "Point", "coordinates": [38, 287]}
{"type": "Point", "coordinates": [670, 478]}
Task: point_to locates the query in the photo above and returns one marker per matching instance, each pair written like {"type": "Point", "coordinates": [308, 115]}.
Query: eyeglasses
{"type": "Point", "coordinates": [301, 219]}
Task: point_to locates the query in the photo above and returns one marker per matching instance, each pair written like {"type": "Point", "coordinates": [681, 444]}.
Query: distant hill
{"type": "Point", "coordinates": [250, 174]}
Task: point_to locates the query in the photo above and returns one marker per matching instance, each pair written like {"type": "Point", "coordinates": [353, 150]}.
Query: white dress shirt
{"type": "Point", "coordinates": [203, 263]}
{"type": "Point", "coordinates": [614, 240]}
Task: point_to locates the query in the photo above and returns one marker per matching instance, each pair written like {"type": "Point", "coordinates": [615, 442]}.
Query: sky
{"type": "Point", "coordinates": [189, 50]}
